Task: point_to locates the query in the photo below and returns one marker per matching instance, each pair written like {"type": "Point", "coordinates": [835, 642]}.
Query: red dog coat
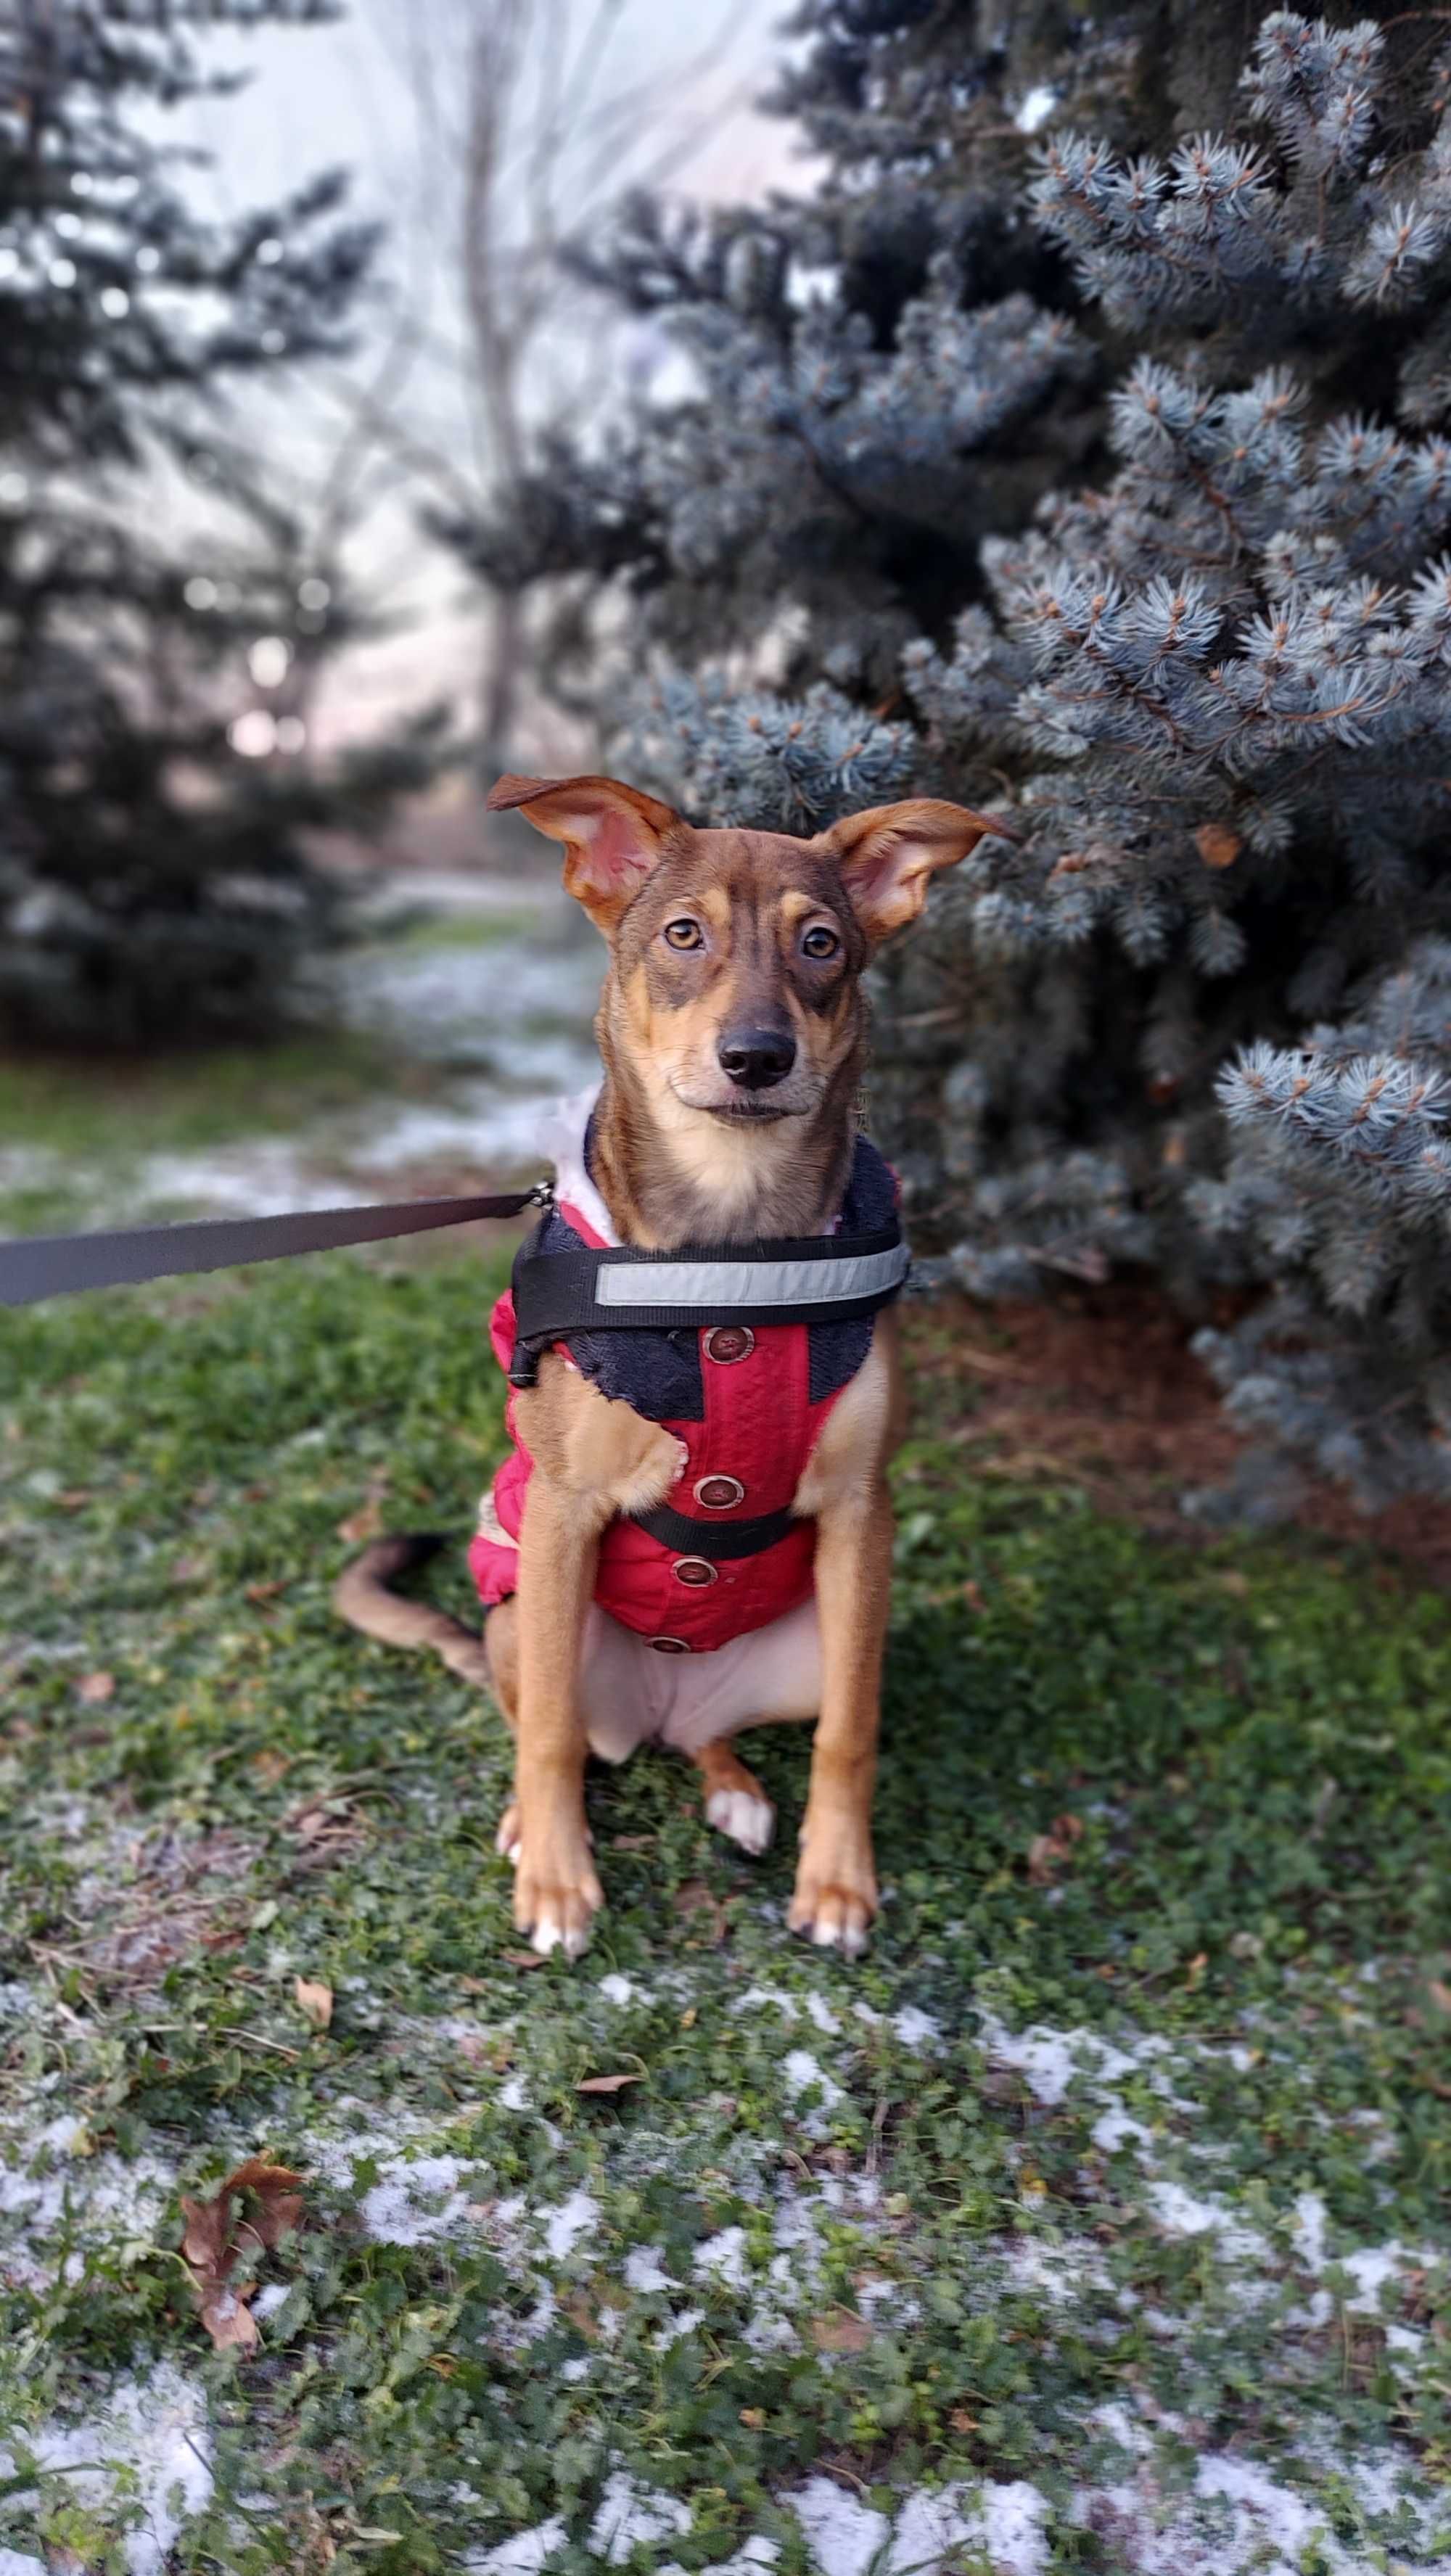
{"type": "Point", "coordinates": [751, 1404]}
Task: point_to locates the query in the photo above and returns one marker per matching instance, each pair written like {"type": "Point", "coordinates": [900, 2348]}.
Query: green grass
{"type": "Point", "coordinates": [185, 1102]}
{"type": "Point", "coordinates": [1257, 1914]}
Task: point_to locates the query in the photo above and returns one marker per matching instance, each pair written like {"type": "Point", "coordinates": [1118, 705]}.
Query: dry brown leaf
{"type": "Point", "coordinates": [270, 1765]}
{"type": "Point", "coordinates": [268, 1591]}
{"type": "Point", "coordinates": [522, 1959]}
{"type": "Point", "coordinates": [1218, 845]}
{"type": "Point", "coordinates": [256, 2206]}
{"type": "Point", "coordinates": [228, 2318]}
{"type": "Point", "coordinates": [696, 1898]}
{"type": "Point", "coordinates": [842, 2331]}
{"type": "Point", "coordinates": [1048, 1852]}
{"type": "Point", "coordinates": [753, 2417]}
{"type": "Point", "coordinates": [633, 1842]}
{"type": "Point", "coordinates": [278, 2194]}
{"type": "Point", "coordinates": [607, 2083]}
{"type": "Point", "coordinates": [96, 1686]}
{"type": "Point", "coordinates": [315, 2000]}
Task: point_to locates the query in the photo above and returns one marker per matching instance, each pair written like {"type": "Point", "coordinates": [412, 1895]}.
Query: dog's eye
{"type": "Point", "coordinates": [820, 942]}
{"type": "Point", "coordinates": [684, 933]}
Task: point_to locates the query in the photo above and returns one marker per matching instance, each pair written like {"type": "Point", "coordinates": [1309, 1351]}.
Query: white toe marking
{"type": "Point", "coordinates": [546, 1936]}
{"type": "Point", "coordinates": [742, 1818]}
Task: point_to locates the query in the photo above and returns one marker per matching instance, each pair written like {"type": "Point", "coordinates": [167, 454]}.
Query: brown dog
{"type": "Point", "coordinates": [732, 1029]}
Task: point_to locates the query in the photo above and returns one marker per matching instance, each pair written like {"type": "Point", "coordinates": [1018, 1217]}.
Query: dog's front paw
{"type": "Point", "coordinates": [836, 1890]}
{"type": "Point", "coordinates": [556, 1893]}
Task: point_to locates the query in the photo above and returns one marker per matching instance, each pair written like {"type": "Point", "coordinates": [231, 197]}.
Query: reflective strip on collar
{"type": "Point", "coordinates": [750, 1283]}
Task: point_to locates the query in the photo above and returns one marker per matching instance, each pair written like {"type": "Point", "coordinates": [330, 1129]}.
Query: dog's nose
{"type": "Point", "coordinates": [756, 1058]}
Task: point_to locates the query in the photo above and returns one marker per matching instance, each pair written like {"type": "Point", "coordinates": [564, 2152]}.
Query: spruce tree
{"type": "Point", "coordinates": [152, 878]}
{"type": "Point", "coordinates": [1058, 452]}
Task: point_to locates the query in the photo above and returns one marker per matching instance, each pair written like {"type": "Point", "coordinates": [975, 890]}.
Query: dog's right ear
{"type": "Point", "coordinates": [612, 835]}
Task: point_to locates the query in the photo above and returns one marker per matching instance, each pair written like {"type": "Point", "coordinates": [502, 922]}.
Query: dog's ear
{"type": "Point", "coordinates": [612, 835]}
{"type": "Point", "coordinates": [888, 855]}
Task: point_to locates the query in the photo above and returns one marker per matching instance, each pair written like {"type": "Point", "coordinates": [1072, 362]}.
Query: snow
{"type": "Point", "coordinates": [819, 2012]}
{"type": "Point", "coordinates": [916, 2029]}
{"type": "Point", "coordinates": [150, 2444]}
{"type": "Point", "coordinates": [844, 2536]}
{"type": "Point", "coordinates": [1307, 2230]}
{"type": "Point", "coordinates": [723, 2258]}
{"type": "Point", "coordinates": [415, 2203]}
{"type": "Point", "coordinates": [1036, 108]}
{"type": "Point", "coordinates": [629, 2514]}
{"type": "Point", "coordinates": [565, 2225]}
{"type": "Point", "coordinates": [617, 1989]}
{"type": "Point", "coordinates": [804, 2075]}
{"type": "Point", "coordinates": [523, 2554]}
{"type": "Point", "coordinates": [1006, 2523]}
{"type": "Point", "coordinates": [644, 2271]}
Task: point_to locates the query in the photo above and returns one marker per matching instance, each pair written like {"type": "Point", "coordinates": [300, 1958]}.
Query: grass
{"type": "Point", "coordinates": [1107, 2169]}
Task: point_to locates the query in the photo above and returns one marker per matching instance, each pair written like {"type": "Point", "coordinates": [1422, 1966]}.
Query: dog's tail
{"type": "Point", "coordinates": [363, 1595]}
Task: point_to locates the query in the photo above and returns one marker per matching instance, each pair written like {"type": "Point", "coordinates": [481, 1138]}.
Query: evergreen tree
{"type": "Point", "coordinates": [152, 879]}
{"type": "Point", "coordinates": [1098, 468]}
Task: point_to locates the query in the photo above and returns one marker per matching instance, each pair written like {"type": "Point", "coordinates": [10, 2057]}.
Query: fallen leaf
{"type": "Point", "coordinates": [270, 1765]}
{"type": "Point", "coordinates": [315, 2000]}
{"type": "Point", "coordinates": [753, 2417]}
{"type": "Point", "coordinates": [256, 2206]}
{"type": "Point", "coordinates": [696, 1898]}
{"type": "Point", "coordinates": [522, 1958]}
{"type": "Point", "coordinates": [278, 2194]}
{"type": "Point", "coordinates": [842, 2331]}
{"type": "Point", "coordinates": [1048, 1852]}
{"type": "Point", "coordinates": [1218, 845]}
{"type": "Point", "coordinates": [96, 1686]}
{"type": "Point", "coordinates": [268, 1591]}
{"type": "Point", "coordinates": [75, 1498]}
{"type": "Point", "coordinates": [607, 2083]}
{"type": "Point", "coordinates": [961, 2421]}
{"type": "Point", "coordinates": [633, 1842]}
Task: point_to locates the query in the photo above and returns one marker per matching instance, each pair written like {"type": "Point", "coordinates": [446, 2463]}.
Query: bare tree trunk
{"type": "Point", "coordinates": [503, 673]}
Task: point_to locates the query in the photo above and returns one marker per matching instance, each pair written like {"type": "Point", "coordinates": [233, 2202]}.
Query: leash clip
{"type": "Point", "coordinates": [541, 1196]}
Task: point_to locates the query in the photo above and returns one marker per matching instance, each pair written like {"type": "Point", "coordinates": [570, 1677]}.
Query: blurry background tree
{"type": "Point", "coordinates": [530, 116]}
{"type": "Point", "coordinates": [1053, 451]}
{"type": "Point", "coordinates": [164, 601]}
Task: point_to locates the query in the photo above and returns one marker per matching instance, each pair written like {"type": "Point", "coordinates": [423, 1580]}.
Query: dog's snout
{"type": "Point", "coordinates": [756, 1058]}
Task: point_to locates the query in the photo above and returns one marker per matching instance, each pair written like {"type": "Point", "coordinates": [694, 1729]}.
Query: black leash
{"type": "Point", "coordinates": [55, 1265]}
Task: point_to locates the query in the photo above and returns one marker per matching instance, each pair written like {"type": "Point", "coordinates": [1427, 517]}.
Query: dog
{"type": "Point", "coordinates": [732, 1033]}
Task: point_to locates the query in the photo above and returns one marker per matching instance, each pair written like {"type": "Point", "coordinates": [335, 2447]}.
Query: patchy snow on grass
{"type": "Point", "coordinates": [630, 2514]}
{"type": "Point", "coordinates": [146, 2456]}
{"type": "Point", "coordinates": [804, 2074]}
{"type": "Point", "coordinates": [644, 2271]}
{"type": "Point", "coordinates": [566, 2224]}
{"type": "Point", "coordinates": [53, 2185]}
{"type": "Point", "coordinates": [723, 2258]}
{"type": "Point", "coordinates": [1240, 2518]}
{"type": "Point", "coordinates": [1007, 2524]}
{"type": "Point", "coordinates": [524, 2554]}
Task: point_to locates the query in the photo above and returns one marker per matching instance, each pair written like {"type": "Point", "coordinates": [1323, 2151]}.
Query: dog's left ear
{"type": "Point", "coordinates": [888, 856]}
{"type": "Point", "coordinates": [612, 835]}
